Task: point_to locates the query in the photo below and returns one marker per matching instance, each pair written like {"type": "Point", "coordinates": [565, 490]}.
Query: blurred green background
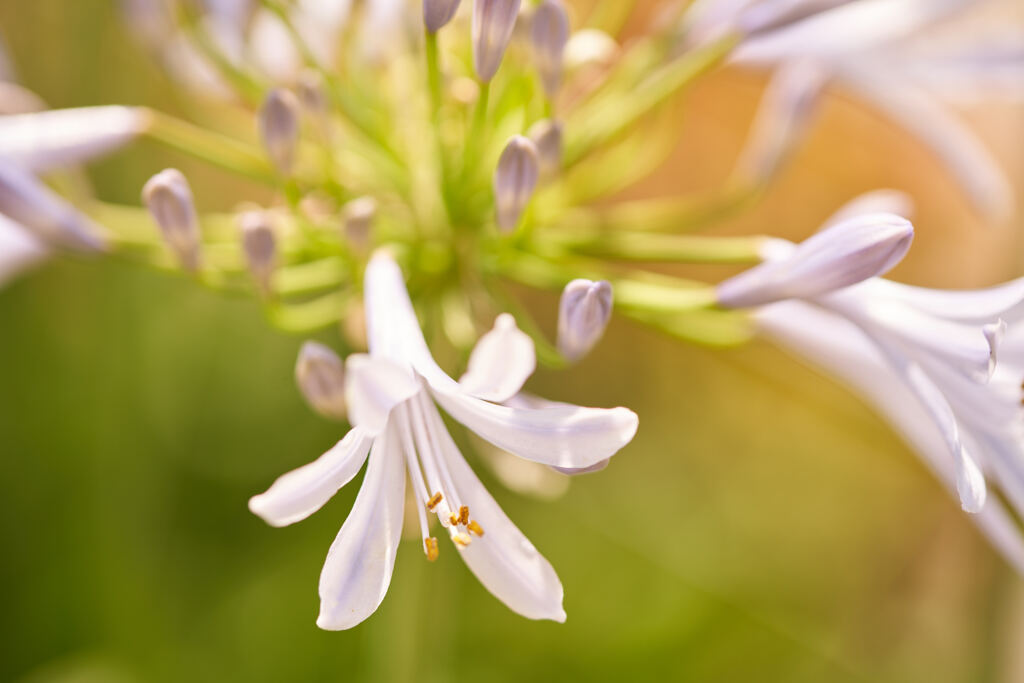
{"type": "Point", "coordinates": [764, 526]}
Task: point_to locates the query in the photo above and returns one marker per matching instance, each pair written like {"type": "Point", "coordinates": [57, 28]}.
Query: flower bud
{"type": "Point", "coordinates": [259, 246]}
{"type": "Point", "coordinates": [546, 136]}
{"type": "Point", "coordinates": [437, 13]}
{"type": "Point", "coordinates": [493, 21]}
{"type": "Point", "coordinates": [549, 32]}
{"type": "Point", "coordinates": [514, 181]}
{"type": "Point", "coordinates": [279, 128]}
{"type": "Point", "coordinates": [583, 315]}
{"type": "Point", "coordinates": [358, 216]}
{"type": "Point", "coordinates": [839, 256]}
{"type": "Point", "coordinates": [169, 200]}
{"type": "Point", "coordinates": [320, 376]}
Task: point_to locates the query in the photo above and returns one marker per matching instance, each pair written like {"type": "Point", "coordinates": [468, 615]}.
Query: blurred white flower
{"type": "Point", "coordinates": [933, 364]}
{"type": "Point", "coordinates": [398, 428]}
{"type": "Point", "coordinates": [891, 53]}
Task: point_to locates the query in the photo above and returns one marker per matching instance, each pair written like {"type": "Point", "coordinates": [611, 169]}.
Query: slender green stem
{"type": "Point", "coordinates": [659, 248]}
{"type": "Point", "coordinates": [211, 147]}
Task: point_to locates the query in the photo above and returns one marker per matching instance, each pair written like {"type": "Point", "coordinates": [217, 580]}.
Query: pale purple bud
{"type": "Point", "coordinates": [583, 315]}
{"type": "Point", "coordinates": [437, 13]}
{"type": "Point", "coordinates": [169, 199]}
{"type": "Point", "coordinates": [546, 136]}
{"type": "Point", "coordinates": [279, 128]}
{"type": "Point", "coordinates": [493, 21]}
{"type": "Point", "coordinates": [514, 181]}
{"type": "Point", "coordinates": [839, 256]}
{"type": "Point", "coordinates": [320, 375]}
{"type": "Point", "coordinates": [259, 244]}
{"type": "Point", "coordinates": [358, 216]}
{"type": "Point", "coordinates": [549, 33]}
{"type": "Point", "coordinates": [310, 88]}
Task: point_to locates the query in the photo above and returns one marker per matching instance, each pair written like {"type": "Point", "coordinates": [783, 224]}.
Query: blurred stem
{"type": "Point", "coordinates": [312, 276]}
{"type": "Point", "coordinates": [586, 134]}
{"type": "Point", "coordinates": [211, 147]}
{"type": "Point", "coordinates": [476, 140]}
{"type": "Point", "coordinates": [309, 316]}
{"type": "Point", "coordinates": [640, 246]}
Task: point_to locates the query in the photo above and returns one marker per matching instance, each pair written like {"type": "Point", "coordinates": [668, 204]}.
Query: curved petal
{"type": "Point", "coordinates": [875, 201]}
{"type": "Point", "coordinates": [501, 362]}
{"type": "Point", "coordinates": [373, 386]}
{"type": "Point", "coordinates": [503, 559]}
{"type": "Point", "coordinates": [43, 141]}
{"type": "Point", "coordinates": [357, 572]}
{"type": "Point", "coordinates": [301, 492]}
{"type": "Point", "coordinates": [32, 204]}
{"type": "Point", "coordinates": [1004, 301]}
{"type": "Point", "coordinates": [19, 250]}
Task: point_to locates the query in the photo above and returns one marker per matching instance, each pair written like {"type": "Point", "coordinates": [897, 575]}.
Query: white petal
{"type": "Point", "coordinates": [563, 435]}
{"type": "Point", "coordinates": [358, 569]}
{"type": "Point", "coordinates": [501, 362]}
{"type": "Point", "coordinates": [301, 492]}
{"type": "Point", "coordinates": [43, 141]}
{"type": "Point", "coordinates": [19, 250]}
{"type": "Point", "coordinates": [504, 560]}
{"type": "Point", "coordinates": [30, 203]}
{"type": "Point", "coordinates": [1004, 301]}
{"type": "Point", "coordinates": [952, 141]}
{"type": "Point", "coordinates": [373, 386]}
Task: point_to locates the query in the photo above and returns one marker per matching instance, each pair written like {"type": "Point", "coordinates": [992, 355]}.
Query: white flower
{"type": "Point", "coordinates": [933, 364]}
{"type": "Point", "coordinates": [398, 427]}
{"type": "Point", "coordinates": [889, 53]}
{"type": "Point", "coordinates": [34, 217]}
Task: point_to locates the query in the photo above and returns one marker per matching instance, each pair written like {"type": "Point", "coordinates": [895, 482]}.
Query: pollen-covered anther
{"type": "Point", "coordinates": [453, 519]}
{"type": "Point", "coordinates": [461, 539]}
{"type": "Point", "coordinates": [475, 528]}
{"type": "Point", "coordinates": [430, 548]}
{"type": "Point", "coordinates": [434, 501]}
{"type": "Point", "coordinates": [464, 515]}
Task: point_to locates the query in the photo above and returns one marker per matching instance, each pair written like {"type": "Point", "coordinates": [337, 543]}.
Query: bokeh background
{"type": "Point", "coordinates": [764, 525]}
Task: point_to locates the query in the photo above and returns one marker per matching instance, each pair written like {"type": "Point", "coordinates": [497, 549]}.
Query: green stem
{"type": "Point", "coordinates": [659, 248]}
{"type": "Point", "coordinates": [211, 147]}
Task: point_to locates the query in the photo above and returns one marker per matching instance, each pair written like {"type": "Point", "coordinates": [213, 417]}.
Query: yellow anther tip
{"type": "Point", "coordinates": [475, 528]}
{"type": "Point", "coordinates": [434, 501]}
{"type": "Point", "coordinates": [464, 515]}
{"type": "Point", "coordinates": [430, 548]}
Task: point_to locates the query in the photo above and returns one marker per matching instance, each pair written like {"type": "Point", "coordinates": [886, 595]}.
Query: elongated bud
{"type": "Point", "coordinates": [546, 136]}
{"type": "Point", "coordinates": [310, 89]}
{"type": "Point", "coordinates": [320, 375]}
{"type": "Point", "coordinates": [358, 216]}
{"type": "Point", "coordinates": [279, 128]}
{"type": "Point", "coordinates": [841, 255]}
{"type": "Point", "coordinates": [437, 13]}
{"type": "Point", "coordinates": [169, 199]}
{"type": "Point", "coordinates": [549, 33]}
{"type": "Point", "coordinates": [583, 315]}
{"type": "Point", "coordinates": [783, 117]}
{"type": "Point", "coordinates": [493, 21]}
{"type": "Point", "coordinates": [259, 245]}
{"type": "Point", "coordinates": [514, 181]}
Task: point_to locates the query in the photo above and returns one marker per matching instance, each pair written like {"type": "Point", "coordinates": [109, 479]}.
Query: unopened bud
{"type": "Point", "coordinates": [839, 256]}
{"type": "Point", "coordinates": [259, 245]}
{"type": "Point", "coordinates": [493, 21]}
{"type": "Point", "coordinates": [583, 315]}
{"type": "Point", "coordinates": [279, 128]}
{"type": "Point", "coordinates": [310, 88]}
{"type": "Point", "coordinates": [549, 34]}
{"type": "Point", "coordinates": [320, 375]}
{"type": "Point", "coordinates": [358, 216]}
{"type": "Point", "coordinates": [547, 138]}
{"type": "Point", "coordinates": [169, 199]}
{"type": "Point", "coordinates": [437, 13]}
{"type": "Point", "coordinates": [514, 181]}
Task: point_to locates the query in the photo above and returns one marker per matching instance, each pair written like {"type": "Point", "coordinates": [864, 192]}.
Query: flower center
{"type": "Point", "coordinates": [433, 484]}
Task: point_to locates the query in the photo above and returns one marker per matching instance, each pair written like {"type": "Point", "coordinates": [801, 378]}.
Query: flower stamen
{"type": "Point", "coordinates": [430, 548]}
{"type": "Point", "coordinates": [434, 500]}
{"type": "Point", "coordinates": [475, 528]}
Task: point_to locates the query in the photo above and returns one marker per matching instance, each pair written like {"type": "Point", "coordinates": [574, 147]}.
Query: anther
{"type": "Point", "coordinates": [464, 515]}
{"type": "Point", "coordinates": [461, 540]}
{"type": "Point", "coordinates": [453, 519]}
{"type": "Point", "coordinates": [434, 501]}
{"type": "Point", "coordinates": [430, 548]}
{"type": "Point", "coordinates": [475, 528]}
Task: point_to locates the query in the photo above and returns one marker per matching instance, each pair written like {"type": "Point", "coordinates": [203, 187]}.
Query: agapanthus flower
{"type": "Point", "coordinates": [932, 362]}
{"type": "Point", "coordinates": [893, 55]}
{"type": "Point", "coordinates": [391, 395]}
